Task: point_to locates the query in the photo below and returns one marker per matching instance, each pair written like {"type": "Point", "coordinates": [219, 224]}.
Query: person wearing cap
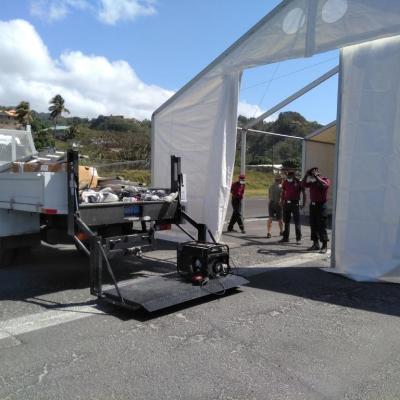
{"type": "Point", "coordinates": [318, 186]}
{"type": "Point", "coordinates": [237, 192]}
{"type": "Point", "coordinates": [292, 189]}
{"type": "Point", "coordinates": [275, 205]}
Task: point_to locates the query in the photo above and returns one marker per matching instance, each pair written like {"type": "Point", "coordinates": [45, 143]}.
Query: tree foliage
{"type": "Point", "coordinates": [116, 138]}
{"type": "Point", "coordinates": [57, 108]}
{"type": "Point", "coordinates": [24, 113]}
{"type": "Point", "coordinates": [43, 139]}
{"type": "Point", "coordinates": [271, 148]}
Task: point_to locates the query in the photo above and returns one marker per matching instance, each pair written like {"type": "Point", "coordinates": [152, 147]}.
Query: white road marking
{"type": "Point", "coordinates": [4, 335]}
{"type": "Point", "coordinates": [47, 319]}
{"type": "Point", "coordinates": [253, 219]}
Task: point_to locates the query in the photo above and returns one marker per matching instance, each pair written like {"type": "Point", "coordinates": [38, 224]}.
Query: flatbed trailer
{"type": "Point", "coordinates": [47, 207]}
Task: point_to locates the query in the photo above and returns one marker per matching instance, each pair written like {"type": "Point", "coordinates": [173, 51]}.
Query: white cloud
{"type": "Point", "coordinates": [107, 11]}
{"type": "Point", "coordinates": [112, 11]}
{"type": "Point", "coordinates": [53, 10]}
{"type": "Point", "coordinates": [253, 111]}
{"type": "Point", "coordinates": [91, 85]}
{"type": "Point", "coordinates": [249, 110]}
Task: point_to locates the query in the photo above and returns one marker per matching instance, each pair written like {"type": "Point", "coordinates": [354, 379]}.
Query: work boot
{"type": "Point", "coordinates": [315, 246]}
{"type": "Point", "coordinates": [268, 235]}
{"type": "Point", "coordinates": [324, 248]}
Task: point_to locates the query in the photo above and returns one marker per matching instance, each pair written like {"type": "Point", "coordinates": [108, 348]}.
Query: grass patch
{"type": "Point", "coordinates": [257, 182]}
{"type": "Point", "coordinates": [135, 175]}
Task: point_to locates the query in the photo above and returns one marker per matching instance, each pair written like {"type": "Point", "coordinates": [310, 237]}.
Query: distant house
{"type": "Point", "coordinates": [59, 131]}
{"type": "Point", "coordinates": [8, 119]}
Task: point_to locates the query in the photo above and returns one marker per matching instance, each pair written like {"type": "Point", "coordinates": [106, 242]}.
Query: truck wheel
{"type": "Point", "coordinates": [6, 257]}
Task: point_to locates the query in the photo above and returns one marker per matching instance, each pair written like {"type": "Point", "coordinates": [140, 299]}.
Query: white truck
{"type": "Point", "coordinates": [24, 197]}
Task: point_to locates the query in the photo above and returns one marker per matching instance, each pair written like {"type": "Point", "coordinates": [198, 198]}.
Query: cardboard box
{"type": "Point", "coordinates": [88, 178]}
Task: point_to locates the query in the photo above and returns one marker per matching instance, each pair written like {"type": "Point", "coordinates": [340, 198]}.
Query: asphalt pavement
{"type": "Point", "coordinates": [296, 331]}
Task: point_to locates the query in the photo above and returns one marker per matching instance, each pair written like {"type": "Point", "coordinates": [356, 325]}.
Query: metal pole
{"type": "Point", "coordinates": [243, 152]}
{"type": "Point", "coordinates": [272, 159]}
{"type": "Point", "coordinates": [293, 97]}
{"type": "Point", "coordinates": [337, 166]}
{"type": "Point", "coordinates": [243, 161]}
{"type": "Point", "coordinates": [271, 133]}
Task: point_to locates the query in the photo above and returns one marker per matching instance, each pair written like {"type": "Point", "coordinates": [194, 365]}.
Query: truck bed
{"type": "Point", "coordinates": [95, 214]}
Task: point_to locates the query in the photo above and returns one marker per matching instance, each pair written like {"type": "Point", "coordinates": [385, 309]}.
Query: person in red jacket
{"type": "Point", "coordinates": [292, 189]}
{"type": "Point", "coordinates": [318, 186]}
{"type": "Point", "coordinates": [237, 192]}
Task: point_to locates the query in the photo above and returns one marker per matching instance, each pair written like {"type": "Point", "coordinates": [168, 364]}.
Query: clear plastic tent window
{"type": "Point", "coordinates": [15, 145]}
{"type": "Point", "coordinates": [199, 122]}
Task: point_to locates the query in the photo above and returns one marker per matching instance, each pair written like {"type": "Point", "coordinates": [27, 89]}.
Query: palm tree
{"type": "Point", "coordinates": [73, 132]}
{"type": "Point", "coordinates": [57, 108]}
{"type": "Point", "coordinates": [24, 113]}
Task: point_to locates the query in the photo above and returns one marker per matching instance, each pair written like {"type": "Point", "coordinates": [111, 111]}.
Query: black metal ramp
{"type": "Point", "coordinates": [158, 292]}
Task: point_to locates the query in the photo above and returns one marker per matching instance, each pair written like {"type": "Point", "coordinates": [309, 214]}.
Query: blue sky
{"type": "Point", "coordinates": [164, 42]}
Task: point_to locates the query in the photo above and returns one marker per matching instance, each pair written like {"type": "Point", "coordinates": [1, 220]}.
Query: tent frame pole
{"type": "Point", "coordinates": [336, 171]}
{"type": "Point", "coordinates": [270, 133]}
{"type": "Point", "coordinates": [293, 97]}
{"type": "Point", "coordinates": [243, 151]}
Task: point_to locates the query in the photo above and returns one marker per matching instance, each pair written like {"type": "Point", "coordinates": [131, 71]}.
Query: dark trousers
{"type": "Point", "coordinates": [318, 218]}
{"type": "Point", "coordinates": [290, 209]}
{"type": "Point", "coordinates": [236, 215]}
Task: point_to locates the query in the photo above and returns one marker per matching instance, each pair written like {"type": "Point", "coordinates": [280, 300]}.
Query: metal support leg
{"type": "Point", "coordinates": [96, 266]}
{"type": "Point", "coordinates": [243, 149]}
{"type": "Point", "coordinates": [202, 233]}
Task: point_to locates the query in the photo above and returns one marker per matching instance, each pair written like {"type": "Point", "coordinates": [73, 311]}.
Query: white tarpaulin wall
{"type": "Point", "coordinates": [199, 122]}
{"type": "Point", "coordinates": [367, 228]}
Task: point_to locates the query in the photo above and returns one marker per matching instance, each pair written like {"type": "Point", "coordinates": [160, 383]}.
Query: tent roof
{"type": "Point", "coordinates": [302, 28]}
{"type": "Point", "coordinates": [327, 134]}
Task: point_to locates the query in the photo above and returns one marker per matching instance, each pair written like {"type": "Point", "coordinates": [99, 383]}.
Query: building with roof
{"type": "Point", "coordinates": [8, 119]}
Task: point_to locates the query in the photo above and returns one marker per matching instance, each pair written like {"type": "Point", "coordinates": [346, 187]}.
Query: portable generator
{"type": "Point", "coordinates": [204, 259]}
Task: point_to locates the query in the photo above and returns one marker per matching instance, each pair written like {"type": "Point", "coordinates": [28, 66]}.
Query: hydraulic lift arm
{"type": "Point", "coordinates": [153, 293]}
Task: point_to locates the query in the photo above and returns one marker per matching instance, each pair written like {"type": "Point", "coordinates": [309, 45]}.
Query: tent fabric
{"type": "Point", "coordinates": [199, 122]}
{"type": "Point", "coordinates": [326, 134]}
{"type": "Point", "coordinates": [367, 225]}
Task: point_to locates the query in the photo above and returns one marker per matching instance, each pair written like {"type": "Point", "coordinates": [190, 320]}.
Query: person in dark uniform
{"type": "Point", "coordinates": [237, 192]}
{"type": "Point", "coordinates": [275, 205]}
{"type": "Point", "coordinates": [318, 186]}
{"type": "Point", "coordinates": [292, 189]}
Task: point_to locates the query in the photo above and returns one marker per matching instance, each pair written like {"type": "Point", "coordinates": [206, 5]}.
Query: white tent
{"type": "Point", "coordinates": [199, 122]}
{"type": "Point", "coordinates": [367, 223]}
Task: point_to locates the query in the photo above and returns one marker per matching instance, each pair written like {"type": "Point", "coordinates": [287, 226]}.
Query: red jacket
{"type": "Point", "coordinates": [318, 190]}
{"type": "Point", "coordinates": [237, 190]}
{"type": "Point", "coordinates": [291, 190]}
